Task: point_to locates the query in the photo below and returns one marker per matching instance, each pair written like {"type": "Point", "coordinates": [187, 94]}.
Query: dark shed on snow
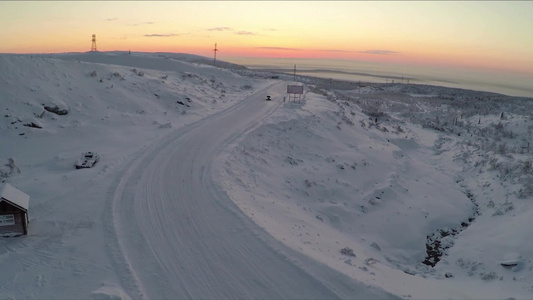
{"type": "Point", "coordinates": [13, 211]}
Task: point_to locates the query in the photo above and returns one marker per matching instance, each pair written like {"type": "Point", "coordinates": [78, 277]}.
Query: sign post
{"type": "Point", "coordinates": [295, 90]}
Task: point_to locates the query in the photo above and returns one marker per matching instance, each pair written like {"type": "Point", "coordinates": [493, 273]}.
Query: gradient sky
{"type": "Point", "coordinates": [481, 34]}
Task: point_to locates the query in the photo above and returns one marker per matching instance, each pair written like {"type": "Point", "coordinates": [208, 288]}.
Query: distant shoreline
{"type": "Point", "coordinates": [403, 80]}
{"type": "Point", "coordinates": [510, 85]}
{"type": "Point", "coordinates": [423, 89]}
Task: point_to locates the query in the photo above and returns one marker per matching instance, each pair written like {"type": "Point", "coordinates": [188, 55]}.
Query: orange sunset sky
{"type": "Point", "coordinates": [496, 35]}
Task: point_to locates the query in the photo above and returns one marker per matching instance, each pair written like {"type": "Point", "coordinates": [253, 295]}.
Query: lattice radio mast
{"type": "Point", "coordinates": [93, 45]}
{"type": "Point", "coordinates": [215, 51]}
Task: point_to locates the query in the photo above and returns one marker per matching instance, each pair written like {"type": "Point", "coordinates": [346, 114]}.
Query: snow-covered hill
{"type": "Point", "coordinates": [114, 110]}
{"type": "Point", "coordinates": [419, 191]}
{"type": "Point", "coordinates": [416, 187]}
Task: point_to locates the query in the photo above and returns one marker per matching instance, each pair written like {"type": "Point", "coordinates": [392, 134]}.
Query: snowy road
{"type": "Point", "coordinates": [182, 237]}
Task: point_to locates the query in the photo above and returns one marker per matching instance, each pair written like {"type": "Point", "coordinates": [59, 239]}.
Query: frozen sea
{"type": "Point", "coordinates": [512, 84]}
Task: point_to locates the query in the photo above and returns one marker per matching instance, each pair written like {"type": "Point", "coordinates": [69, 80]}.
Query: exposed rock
{"type": "Point", "coordinates": [56, 110]}
{"type": "Point", "coordinates": [375, 245]}
{"type": "Point", "coordinates": [33, 123]}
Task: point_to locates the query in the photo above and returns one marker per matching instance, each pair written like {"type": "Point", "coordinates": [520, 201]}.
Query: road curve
{"type": "Point", "coordinates": [182, 237]}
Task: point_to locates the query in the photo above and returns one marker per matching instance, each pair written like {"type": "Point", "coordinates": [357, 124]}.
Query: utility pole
{"type": "Point", "coordinates": [215, 51]}
{"type": "Point", "coordinates": [294, 73]}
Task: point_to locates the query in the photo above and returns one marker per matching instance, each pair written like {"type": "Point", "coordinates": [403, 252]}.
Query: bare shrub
{"type": "Point", "coordinates": [373, 112]}
{"type": "Point", "coordinates": [347, 251]}
{"type": "Point", "coordinates": [527, 167]}
{"type": "Point", "coordinates": [526, 190]}
{"type": "Point", "coordinates": [11, 170]}
{"type": "Point", "coordinates": [502, 149]}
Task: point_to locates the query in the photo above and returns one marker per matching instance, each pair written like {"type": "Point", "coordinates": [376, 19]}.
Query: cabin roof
{"type": "Point", "coordinates": [15, 197]}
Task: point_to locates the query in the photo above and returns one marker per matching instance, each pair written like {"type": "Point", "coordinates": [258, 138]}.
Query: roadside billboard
{"type": "Point", "coordinates": [295, 89]}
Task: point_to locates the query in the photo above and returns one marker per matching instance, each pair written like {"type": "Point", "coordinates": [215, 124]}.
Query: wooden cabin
{"type": "Point", "coordinates": [13, 211]}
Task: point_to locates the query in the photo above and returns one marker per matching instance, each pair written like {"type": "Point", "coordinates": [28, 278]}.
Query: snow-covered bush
{"type": "Point", "coordinates": [526, 190]}
{"type": "Point", "coordinates": [373, 110]}
{"type": "Point", "coordinates": [9, 169]}
{"type": "Point", "coordinates": [347, 251]}
{"type": "Point", "coordinates": [488, 275]}
{"type": "Point", "coordinates": [137, 72]}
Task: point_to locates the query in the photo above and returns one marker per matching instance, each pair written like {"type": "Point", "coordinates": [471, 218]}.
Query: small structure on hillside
{"type": "Point", "coordinates": [13, 211]}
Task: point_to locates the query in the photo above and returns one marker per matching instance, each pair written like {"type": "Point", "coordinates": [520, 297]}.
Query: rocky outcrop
{"type": "Point", "coordinates": [56, 110]}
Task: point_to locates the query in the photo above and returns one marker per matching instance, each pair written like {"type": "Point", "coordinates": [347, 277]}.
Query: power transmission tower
{"type": "Point", "coordinates": [93, 45]}
{"type": "Point", "coordinates": [215, 51]}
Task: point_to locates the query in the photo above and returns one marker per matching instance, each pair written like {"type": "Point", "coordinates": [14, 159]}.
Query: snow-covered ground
{"type": "Point", "coordinates": [206, 190]}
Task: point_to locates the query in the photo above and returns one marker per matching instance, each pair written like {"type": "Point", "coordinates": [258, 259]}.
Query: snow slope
{"type": "Point", "coordinates": [385, 189]}
{"type": "Point", "coordinates": [115, 113]}
{"type": "Point", "coordinates": [205, 190]}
